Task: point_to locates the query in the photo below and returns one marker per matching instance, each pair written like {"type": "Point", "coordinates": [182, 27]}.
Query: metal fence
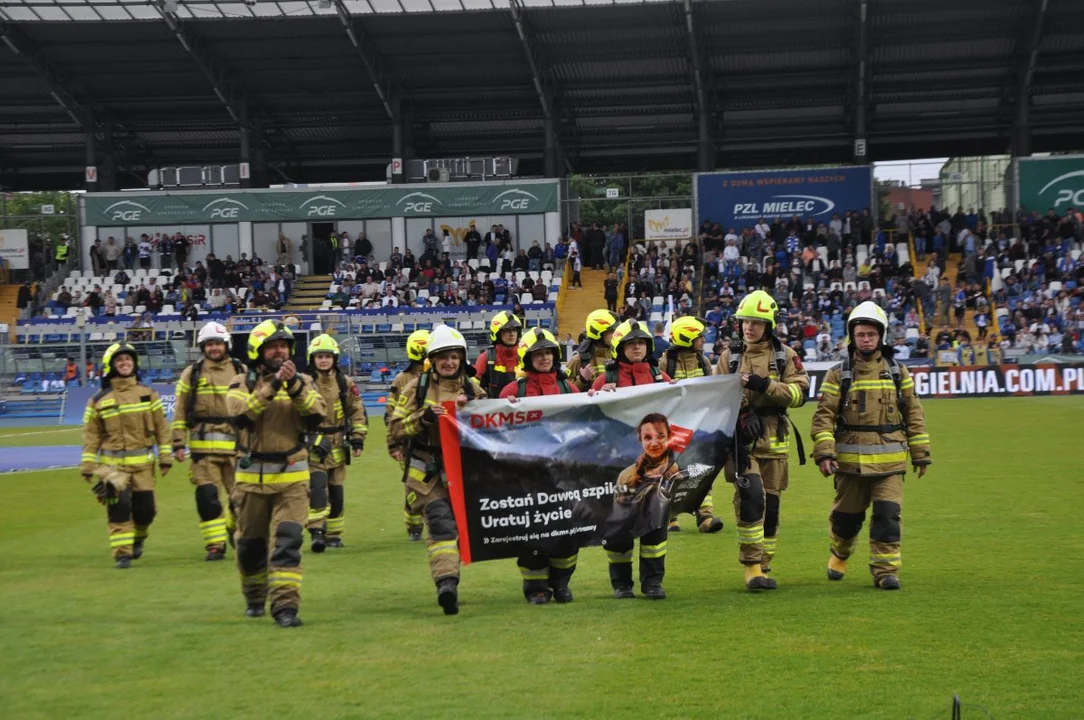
{"type": "Point", "coordinates": [622, 199]}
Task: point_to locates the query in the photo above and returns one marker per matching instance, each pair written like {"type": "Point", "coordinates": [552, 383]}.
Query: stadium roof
{"type": "Point", "coordinates": [316, 82]}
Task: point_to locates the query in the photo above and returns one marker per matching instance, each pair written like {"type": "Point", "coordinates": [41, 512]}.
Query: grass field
{"type": "Point", "coordinates": [991, 607]}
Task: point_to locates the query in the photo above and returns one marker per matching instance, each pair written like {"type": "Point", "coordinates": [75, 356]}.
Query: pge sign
{"type": "Point", "coordinates": [418, 203]}
{"type": "Point", "coordinates": [322, 206]}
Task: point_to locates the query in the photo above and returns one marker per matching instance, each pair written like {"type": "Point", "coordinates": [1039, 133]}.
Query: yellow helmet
{"type": "Point", "coordinates": [598, 322]}
{"type": "Point", "coordinates": [758, 305]}
{"type": "Point", "coordinates": [415, 345]}
{"type": "Point", "coordinates": [537, 339]}
{"type": "Point", "coordinates": [266, 332]}
{"type": "Point", "coordinates": [630, 330]}
{"type": "Point", "coordinates": [503, 320]}
{"type": "Point", "coordinates": [323, 344]}
{"type": "Point", "coordinates": [121, 348]}
{"type": "Point", "coordinates": [685, 330]}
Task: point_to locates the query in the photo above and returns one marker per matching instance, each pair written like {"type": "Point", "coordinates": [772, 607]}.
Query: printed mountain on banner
{"type": "Point", "coordinates": [587, 435]}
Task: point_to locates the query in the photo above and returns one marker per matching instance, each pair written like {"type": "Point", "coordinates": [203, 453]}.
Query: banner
{"type": "Point", "coordinates": [14, 249]}
{"type": "Point", "coordinates": [987, 381]}
{"type": "Point", "coordinates": [675, 224]}
{"type": "Point", "coordinates": [1053, 182]}
{"type": "Point", "coordinates": [562, 469]}
{"type": "Point", "coordinates": [76, 399]}
{"type": "Point", "coordinates": [738, 199]}
{"type": "Point", "coordinates": [321, 205]}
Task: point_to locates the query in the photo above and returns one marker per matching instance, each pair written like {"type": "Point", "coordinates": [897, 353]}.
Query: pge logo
{"type": "Point", "coordinates": [329, 206]}
{"type": "Point", "coordinates": [519, 200]}
{"type": "Point", "coordinates": [1067, 196]}
{"type": "Point", "coordinates": [126, 211]}
{"type": "Point", "coordinates": [224, 208]}
{"type": "Point", "coordinates": [424, 204]}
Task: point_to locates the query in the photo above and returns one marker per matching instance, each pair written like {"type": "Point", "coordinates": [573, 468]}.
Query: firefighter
{"type": "Point", "coordinates": [496, 366]}
{"type": "Point", "coordinates": [122, 424]}
{"type": "Point", "coordinates": [868, 424]}
{"type": "Point", "coordinates": [274, 407]}
{"type": "Point", "coordinates": [415, 350]}
{"type": "Point", "coordinates": [593, 355]}
{"type": "Point", "coordinates": [631, 346]}
{"type": "Point", "coordinates": [202, 423]}
{"type": "Point", "coordinates": [414, 425]}
{"type": "Point", "coordinates": [775, 381]}
{"type": "Point", "coordinates": [330, 447]}
{"type": "Point", "coordinates": [545, 575]}
{"type": "Point", "coordinates": [682, 360]}
{"type": "Point", "coordinates": [637, 494]}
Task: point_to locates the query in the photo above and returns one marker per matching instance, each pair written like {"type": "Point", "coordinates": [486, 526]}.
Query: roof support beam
{"type": "Point", "coordinates": [861, 85]}
{"type": "Point", "coordinates": [364, 47]}
{"type": "Point", "coordinates": [699, 67]}
{"type": "Point", "coordinates": [1028, 60]}
{"type": "Point", "coordinates": [545, 93]}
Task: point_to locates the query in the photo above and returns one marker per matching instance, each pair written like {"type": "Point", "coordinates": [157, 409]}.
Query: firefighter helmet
{"type": "Point", "coordinates": [598, 322]}
{"type": "Point", "coordinates": [867, 313]}
{"type": "Point", "coordinates": [444, 338]}
{"type": "Point", "coordinates": [537, 339]}
{"type": "Point", "coordinates": [685, 330]}
{"type": "Point", "coordinates": [415, 345]}
{"type": "Point", "coordinates": [265, 332]}
{"type": "Point", "coordinates": [758, 305]}
{"type": "Point", "coordinates": [323, 344]}
{"type": "Point", "coordinates": [213, 331]}
{"type": "Point", "coordinates": [121, 348]}
{"type": "Point", "coordinates": [502, 321]}
{"type": "Point", "coordinates": [630, 330]}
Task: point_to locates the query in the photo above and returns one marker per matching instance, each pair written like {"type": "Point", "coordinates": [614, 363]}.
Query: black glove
{"type": "Point", "coordinates": [105, 492]}
{"type": "Point", "coordinates": [357, 443]}
{"type": "Point", "coordinates": [750, 428]}
{"type": "Point", "coordinates": [429, 417]}
{"type": "Point", "coordinates": [322, 448]}
{"type": "Point", "coordinates": [757, 383]}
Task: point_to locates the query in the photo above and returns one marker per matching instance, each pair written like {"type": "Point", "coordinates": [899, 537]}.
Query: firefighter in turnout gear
{"type": "Point", "coordinates": [774, 380]}
{"type": "Point", "coordinates": [682, 360]}
{"type": "Point", "coordinates": [274, 407]}
{"type": "Point", "coordinates": [595, 352]}
{"type": "Point", "coordinates": [415, 424]}
{"type": "Point", "coordinates": [631, 346]}
{"type": "Point", "coordinates": [868, 425]}
{"type": "Point", "coordinates": [496, 367]}
{"type": "Point", "coordinates": [415, 349]}
{"type": "Point", "coordinates": [638, 488]}
{"type": "Point", "coordinates": [202, 424]}
{"type": "Point", "coordinates": [545, 574]}
{"type": "Point", "coordinates": [122, 425]}
{"type": "Point", "coordinates": [331, 445]}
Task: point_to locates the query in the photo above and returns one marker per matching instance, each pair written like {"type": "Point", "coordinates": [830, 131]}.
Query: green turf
{"type": "Point", "coordinates": [991, 607]}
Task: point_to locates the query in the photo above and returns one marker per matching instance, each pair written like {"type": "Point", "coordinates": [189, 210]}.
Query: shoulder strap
{"type": "Point", "coordinates": [780, 360]}
{"type": "Point", "coordinates": [468, 387]}
{"type": "Point", "coordinates": [671, 363]}
{"type": "Point", "coordinates": [99, 395]}
{"type": "Point", "coordinates": [521, 390]}
{"type": "Point", "coordinates": [238, 366]}
{"type": "Point", "coordinates": [846, 374]}
{"type": "Point", "coordinates": [423, 390]}
{"type": "Point", "coordinates": [656, 374]}
{"type": "Point", "coordinates": [566, 388]}
{"type": "Point", "coordinates": [193, 382]}
{"type": "Point", "coordinates": [736, 349]}
{"type": "Point", "coordinates": [611, 374]}
{"type": "Point", "coordinates": [705, 366]}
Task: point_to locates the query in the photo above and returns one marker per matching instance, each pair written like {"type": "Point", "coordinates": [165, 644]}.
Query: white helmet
{"type": "Point", "coordinates": [868, 313]}
{"type": "Point", "coordinates": [443, 338]}
{"type": "Point", "coordinates": [213, 331]}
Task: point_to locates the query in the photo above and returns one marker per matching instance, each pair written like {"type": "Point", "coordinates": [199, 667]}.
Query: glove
{"type": "Point", "coordinates": [357, 443]}
{"type": "Point", "coordinates": [429, 417]}
{"type": "Point", "coordinates": [757, 383]}
{"type": "Point", "coordinates": [750, 428]}
{"type": "Point", "coordinates": [322, 448]}
{"type": "Point", "coordinates": [105, 492]}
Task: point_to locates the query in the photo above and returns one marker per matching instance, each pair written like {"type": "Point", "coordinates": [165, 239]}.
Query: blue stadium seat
{"type": "Point", "coordinates": [383, 328]}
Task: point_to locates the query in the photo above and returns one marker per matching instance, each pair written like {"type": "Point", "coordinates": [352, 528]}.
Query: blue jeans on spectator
{"type": "Point", "coordinates": [534, 265]}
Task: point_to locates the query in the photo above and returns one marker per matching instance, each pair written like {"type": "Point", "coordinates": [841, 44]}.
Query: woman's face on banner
{"type": "Point", "coordinates": [654, 439]}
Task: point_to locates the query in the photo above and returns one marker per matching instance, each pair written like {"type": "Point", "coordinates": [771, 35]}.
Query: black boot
{"type": "Point", "coordinates": [653, 591]}
{"type": "Point", "coordinates": [137, 549]}
{"type": "Point", "coordinates": [652, 571]}
{"type": "Point", "coordinates": [559, 580]}
{"type": "Point", "coordinates": [287, 618]}
{"type": "Point", "coordinates": [318, 541]}
{"type": "Point", "coordinates": [621, 580]}
{"type": "Point", "coordinates": [888, 582]}
{"type": "Point", "coordinates": [254, 610]}
{"type": "Point", "coordinates": [335, 542]}
{"type": "Point", "coordinates": [448, 595]}
{"type": "Point", "coordinates": [215, 554]}
{"type": "Point", "coordinates": [414, 534]}
{"type": "Point", "coordinates": [123, 562]}
{"type": "Point", "coordinates": [708, 523]}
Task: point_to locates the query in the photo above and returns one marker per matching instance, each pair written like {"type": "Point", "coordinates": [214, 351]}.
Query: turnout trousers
{"type": "Point", "coordinates": [270, 523]}
{"type": "Point", "coordinates": [131, 517]}
{"type": "Point", "coordinates": [213, 476]}
{"type": "Point", "coordinates": [854, 494]}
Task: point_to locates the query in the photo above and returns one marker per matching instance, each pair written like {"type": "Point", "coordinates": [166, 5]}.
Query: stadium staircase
{"type": "Point", "coordinates": [308, 292]}
{"type": "Point", "coordinates": [9, 312]}
{"type": "Point", "coordinates": [574, 304]}
{"type": "Point", "coordinates": [951, 262]}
